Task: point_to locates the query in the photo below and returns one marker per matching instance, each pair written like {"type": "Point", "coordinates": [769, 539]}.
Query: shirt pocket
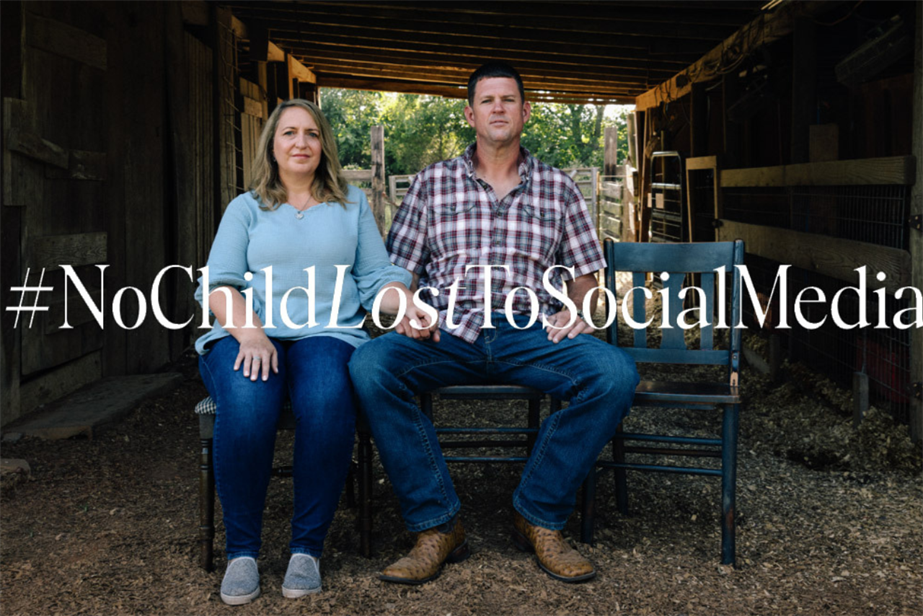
{"type": "Point", "coordinates": [454, 224]}
{"type": "Point", "coordinates": [542, 223]}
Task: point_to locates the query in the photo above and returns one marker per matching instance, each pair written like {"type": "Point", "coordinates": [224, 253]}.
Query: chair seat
{"type": "Point", "coordinates": [685, 393]}
{"type": "Point", "coordinates": [489, 392]}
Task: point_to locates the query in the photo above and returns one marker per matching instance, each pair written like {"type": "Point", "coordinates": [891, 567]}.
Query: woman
{"type": "Point", "coordinates": [293, 343]}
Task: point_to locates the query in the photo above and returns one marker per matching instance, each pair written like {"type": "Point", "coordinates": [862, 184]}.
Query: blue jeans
{"type": "Point", "coordinates": [598, 379]}
{"type": "Point", "coordinates": [313, 374]}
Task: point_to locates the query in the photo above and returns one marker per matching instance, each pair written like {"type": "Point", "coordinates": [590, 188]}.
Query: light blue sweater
{"type": "Point", "coordinates": [250, 240]}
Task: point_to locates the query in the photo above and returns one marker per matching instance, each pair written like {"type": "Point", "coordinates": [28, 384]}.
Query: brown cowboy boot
{"type": "Point", "coordinates": [425, 561]}
{"type": "Point", "coordinates": [554, 555]}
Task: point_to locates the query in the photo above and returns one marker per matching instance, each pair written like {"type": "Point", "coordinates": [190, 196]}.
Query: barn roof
{"type": "Point", "coordinates": [604, 52]}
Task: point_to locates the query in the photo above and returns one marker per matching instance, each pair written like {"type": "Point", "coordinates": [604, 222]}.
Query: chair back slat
{"type": "Point", "coordinates": [674, 337]}
{"type": "Point", "coordinates": [708, 309]}
{"type": "Point", "coordinates": [639, 308]}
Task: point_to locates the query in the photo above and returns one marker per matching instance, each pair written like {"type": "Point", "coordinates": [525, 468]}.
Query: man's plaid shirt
{"type": "Point", "coordinates": [450, 220]}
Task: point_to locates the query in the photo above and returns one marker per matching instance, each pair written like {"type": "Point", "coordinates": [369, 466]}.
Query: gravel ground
{"type": "Point", "coordinates": [829, 522]}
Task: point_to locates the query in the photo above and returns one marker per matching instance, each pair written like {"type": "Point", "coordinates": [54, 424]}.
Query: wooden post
{"type": "Point", "coordinates": [804, 88]}
{"type": "Point", "coordinates": [916, 236]}
{"type": "Point", "coordinates": [610, 151]}
{"type": "Point", "coordinates": [10, 217]}
{"type": "Point", "coordinates": [226, 172]}
{"type": "Point", "coordinates": [631, 132]}
{"type": "Point", "coordinates": [181, 204]}
{"type": "Point", "coordinates": [378, 177]}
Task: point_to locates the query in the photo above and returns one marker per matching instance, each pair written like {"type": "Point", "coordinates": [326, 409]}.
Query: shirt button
{"type": "Point", "coordinates": [497, 242]}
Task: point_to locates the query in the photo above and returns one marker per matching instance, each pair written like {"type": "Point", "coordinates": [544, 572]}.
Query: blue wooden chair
{"type": "Point", "coordinates": [678, 260]}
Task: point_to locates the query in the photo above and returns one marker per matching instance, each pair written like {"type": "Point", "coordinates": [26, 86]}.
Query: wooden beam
{"type": "Point", "coordinates": [830, 256]}
{"type": "Point", "coordinates": [299, 71]}
{"type": "Point", "coordinates": [53, 251]}
{"type": "Point", "coordinates": [82, 165]}
{"type": "Point", "coordinates": [764, 29]}
{"type": "Point", "coordinates": [916, 234]}
{"type": "Point", "coordinates": [339, 81]}
{"type": "Point", "coordinates": [33, 146]}
{"type": "Point", "coordinates": [481, 47]}
{"type": "Point", "coordinates": [315, 53]}
{"type": "Point", "coordinates": [620, 35]}
{"type": "Point", "coordinates": [892, 170]}
{"type": "Point", "coordinates": [65, 40]}
{"type": "Point", "coordinates": [426, 68]}
{"type": "Point", "coordinates": [357, 175]}
{"type": "Point", "coordinates": [459, 77]}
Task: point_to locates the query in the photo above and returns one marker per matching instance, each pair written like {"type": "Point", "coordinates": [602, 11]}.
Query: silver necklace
{"type": "Point", "coordinates": [300, 213]}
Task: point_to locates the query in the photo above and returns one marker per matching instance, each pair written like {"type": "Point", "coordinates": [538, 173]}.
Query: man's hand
{"type": "Point", "coordinates": [560, 319]}
{"type": "Point", "coordinates": [430, 329]}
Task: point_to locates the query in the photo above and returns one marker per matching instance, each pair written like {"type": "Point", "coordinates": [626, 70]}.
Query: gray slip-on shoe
{"type": "Point", "coordinates": [302, 577]}
{"type": "Point", "coordinates": [241, 582]}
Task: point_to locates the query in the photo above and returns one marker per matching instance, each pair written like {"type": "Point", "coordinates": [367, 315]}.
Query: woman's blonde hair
{"type": "Point", "coordinates": [329, 183]}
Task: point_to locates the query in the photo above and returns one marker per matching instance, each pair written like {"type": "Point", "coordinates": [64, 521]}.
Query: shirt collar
{"type": "Point", "coordinates": [525, 166]}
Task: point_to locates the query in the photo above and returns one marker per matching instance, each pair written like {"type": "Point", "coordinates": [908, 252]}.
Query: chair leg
{"type": "Point", "coordinates": [206, 506]}
{"type": "Point", "coordinates": [621, 480]}
{"type": "Point", "coordinates": [365, 494]}
{"type": "Point", "coordinates": [729, 483]}
{"type": "Point", "coordinates": [588, 508]}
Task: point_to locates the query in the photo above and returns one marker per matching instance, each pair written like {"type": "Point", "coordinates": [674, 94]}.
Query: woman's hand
{"type": "Point", "coordinates": [430, 328]}
{"type": "Point", "coordinates": [257, 355]}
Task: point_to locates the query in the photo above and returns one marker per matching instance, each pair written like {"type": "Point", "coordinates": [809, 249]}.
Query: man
{"type": "Point", "coordinates": [494, 206]}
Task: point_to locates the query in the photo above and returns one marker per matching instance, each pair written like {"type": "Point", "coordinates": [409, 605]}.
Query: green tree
{"type": "Point", "coordinates": [420, 130]}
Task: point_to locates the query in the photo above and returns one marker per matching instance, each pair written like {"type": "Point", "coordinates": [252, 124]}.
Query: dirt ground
{"type": "Point", "coordinates": [829, 522]}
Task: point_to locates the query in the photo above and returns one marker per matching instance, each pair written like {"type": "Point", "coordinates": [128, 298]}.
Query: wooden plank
{"type": "Point", "coordinates": [82, 165]}
{"type": "Point", "coordinates": [755, 177]}
{"type": "Point", "coordinates": [358, 175]}
{"type": "Point", "coordinates": [916, 236]}
{"type": "Point", "coordinates": [31, 145]}
{"type": "Point", "coordinates": [15, 113]}
{"type": "Point", "coordinates": [253, 107]}
{"type": "Point", "coordinates": [700, 163]}
{"type": "Point", "coordinates": [834, 257]}
{"type": "Point", "coordinates": [59, 382]}
{"type": "Point", "coordinates": [65, 40]}
{"type": "Point", "coordinates": [10, 341]}
{"type": "Point", "coordinates": [93, 407]}
{"type": "Point", "coordinates": [892, 170]}
{"type": "Point", "coordinates": [764, 29]}
{"type": "Point", "coordinates": [76, 249]}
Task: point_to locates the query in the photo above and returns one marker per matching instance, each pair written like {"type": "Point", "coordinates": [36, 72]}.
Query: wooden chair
{"type": "Point", "coordinates": [678, 260]}
{"type": "Point", "coordinates": [205, 410]}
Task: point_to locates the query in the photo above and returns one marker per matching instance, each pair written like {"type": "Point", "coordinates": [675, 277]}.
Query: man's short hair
{"type": "Point", "coordinates": [494, 69]}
